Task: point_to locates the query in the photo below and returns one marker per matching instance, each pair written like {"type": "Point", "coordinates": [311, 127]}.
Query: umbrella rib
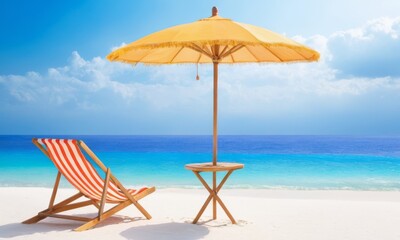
{"type": "Point", "coordinates": [196, 47]}
{"type": "Point", "coordinates": [301, 54]}
{"type": "Point", "coordinates": [147, 54]}
{"type": "Point", "coordinates": [232, 50]}
{"type": "Point", "coordinates": [212, 51]}
{"type": "Point", "coordinates": [176, 55]}
{"type": "Point", "coordinates": [223, 50]}
{"type": "Point", "coordinates": [208, 51]}
{"type": "Point", "coordinates": [233, 60]}
{"type": "Point", "coordinates": [280, 59]}
{"type": "Point", "coordinates": [199, 49]}
{"type": "Point", "coordinates": [252, 53]}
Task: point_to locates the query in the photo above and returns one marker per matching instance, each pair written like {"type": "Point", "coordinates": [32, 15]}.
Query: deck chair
{"type": "Point", "coordinates": [73, 165]}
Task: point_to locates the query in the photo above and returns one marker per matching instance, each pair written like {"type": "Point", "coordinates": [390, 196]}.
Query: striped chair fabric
{"type": "Point", "coordinates": [72, 163]}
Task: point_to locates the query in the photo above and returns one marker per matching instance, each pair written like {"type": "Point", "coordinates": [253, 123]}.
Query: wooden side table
{"type": "Point", "coordinates": [197, 168]}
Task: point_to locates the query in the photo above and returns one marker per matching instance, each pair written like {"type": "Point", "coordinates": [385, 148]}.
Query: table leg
{"type": "Point", "coordinates": [224, 180]}
{"type": "Point", "coordinates": [214, 195]}
{"type": "Point", "coordinates": [225, 209]}
{"type": "Point", "coordinates": [196, 219]}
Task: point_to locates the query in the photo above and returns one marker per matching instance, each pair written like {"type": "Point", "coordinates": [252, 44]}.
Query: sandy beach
{"type": "Point", "coordinates": [261, 214]}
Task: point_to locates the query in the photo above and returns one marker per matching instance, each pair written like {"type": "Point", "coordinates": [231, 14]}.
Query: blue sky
{"type": "Point", "coordinates": [54, 78]}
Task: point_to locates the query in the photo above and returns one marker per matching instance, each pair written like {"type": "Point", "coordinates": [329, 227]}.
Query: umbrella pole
{"type": "Point", "coordinates": [215, 120]}
{"type": "Point", "coordinates": [215, 136]}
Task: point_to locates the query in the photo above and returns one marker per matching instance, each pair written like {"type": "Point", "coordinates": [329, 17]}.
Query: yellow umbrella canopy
{"type": "Point", "coordinates": [213, 40]}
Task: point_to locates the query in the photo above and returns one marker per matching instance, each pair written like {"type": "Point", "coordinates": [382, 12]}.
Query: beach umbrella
{"type": "Point", "coordinates": [215, 40]}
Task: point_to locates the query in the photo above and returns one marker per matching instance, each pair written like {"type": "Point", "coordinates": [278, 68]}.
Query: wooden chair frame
{"type": "Point", "coordinates": [67, 204]}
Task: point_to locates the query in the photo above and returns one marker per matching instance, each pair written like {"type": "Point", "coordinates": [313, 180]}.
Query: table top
{"type": "Point", "coordinates": [209, 167]}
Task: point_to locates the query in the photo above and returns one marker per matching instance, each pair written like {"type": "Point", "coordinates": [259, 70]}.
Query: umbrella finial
{"type": "Point", "coordinates": [214, 11]}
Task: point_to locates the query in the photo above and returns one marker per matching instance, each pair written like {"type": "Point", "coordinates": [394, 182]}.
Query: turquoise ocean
{"type": "Point", "coordinates": [271, 162]}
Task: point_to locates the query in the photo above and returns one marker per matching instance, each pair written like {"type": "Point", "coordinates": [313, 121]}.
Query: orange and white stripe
{"type": "Point", "coordinates": [72, 163]}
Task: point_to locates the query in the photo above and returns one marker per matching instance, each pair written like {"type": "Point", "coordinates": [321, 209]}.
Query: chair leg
{"type": "Point", "coordinates": [112, 211]}
{"type": "Point", "coordinates": [63, 206]}
{"type": "Point", "coordinates": [40, 217]}
{"type": "Point", "coordinates": [104, 195]}
{"type": "Point", "coordinates": [88, 225]}
{"type": "Point", "coordinates": [134, 200]}
{"type": "Point", "coordinates": [104, 216]}
{"type": "Point", "coordinates": [34, 219]}
{"type": "Point", "coordinates": [142, 210]}
{"type": "Point", "coordinates": [37, 218]}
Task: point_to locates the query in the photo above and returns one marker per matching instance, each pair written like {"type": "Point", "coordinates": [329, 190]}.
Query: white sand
{"type": "Point", "coordinates": [261, 214]}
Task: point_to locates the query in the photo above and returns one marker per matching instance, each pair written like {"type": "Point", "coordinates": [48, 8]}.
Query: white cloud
{"type": "Point", "coordinates": [387, 26]}
{"type": "Point", "coordinates": [74, 82]}
{"type": "Point", "coordinates": [369, 51]}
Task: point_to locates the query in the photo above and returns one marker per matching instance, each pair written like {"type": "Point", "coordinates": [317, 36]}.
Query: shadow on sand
{"type": "Point", "coordinates": [174, 230]}
{"type": "Point", "coordinates": [54, 225]}
{"type": "Point", "coordinates": [18, 229]}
